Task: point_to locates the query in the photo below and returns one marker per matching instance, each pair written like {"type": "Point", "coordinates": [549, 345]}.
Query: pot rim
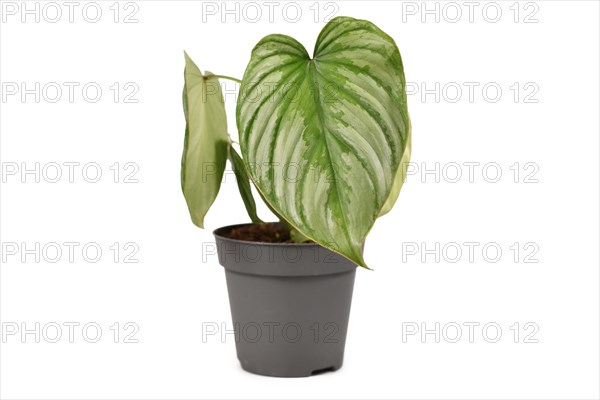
{"type": "Point", "coordinates": [219, 233]}
{"type": "Point", "coordinates": [305, 266]}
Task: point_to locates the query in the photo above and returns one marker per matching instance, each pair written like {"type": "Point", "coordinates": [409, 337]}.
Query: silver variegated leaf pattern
{"type": "Point", "coordinates": [323, 136]}
{"type": "Point", "coordinates": [400, 175]}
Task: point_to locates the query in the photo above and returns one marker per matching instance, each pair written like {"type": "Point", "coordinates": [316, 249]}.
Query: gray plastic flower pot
{"type": "Point", "coordinates": [290, 304]}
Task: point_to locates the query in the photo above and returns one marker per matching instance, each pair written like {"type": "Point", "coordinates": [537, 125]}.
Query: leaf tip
{"type": "Point", "coordinates": [363, 264]}
{"type": "Point", "coordinates": [196, 217]}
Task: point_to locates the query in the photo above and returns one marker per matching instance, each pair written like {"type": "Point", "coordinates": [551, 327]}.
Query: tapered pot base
{"type": "Point", "coordinates": [290, 305]}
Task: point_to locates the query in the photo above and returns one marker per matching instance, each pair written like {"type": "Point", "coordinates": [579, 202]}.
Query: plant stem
{"type": "Point", "coordinates": [227, 77]}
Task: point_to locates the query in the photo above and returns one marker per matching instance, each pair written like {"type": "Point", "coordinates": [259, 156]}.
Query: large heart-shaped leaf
{"type": "Point", "coordinates": [206, 140]}
{"type": "Point", "coordinates": [323, 136]}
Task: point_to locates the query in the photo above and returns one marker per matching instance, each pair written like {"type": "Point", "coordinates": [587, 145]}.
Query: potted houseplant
{"type": "Point", "coordinates": [340, 121]}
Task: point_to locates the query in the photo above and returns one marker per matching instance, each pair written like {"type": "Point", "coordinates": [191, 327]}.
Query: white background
{"type": "Point", "coordinates": [176, 287]}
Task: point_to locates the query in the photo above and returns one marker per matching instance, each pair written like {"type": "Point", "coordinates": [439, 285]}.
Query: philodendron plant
{"type": "Point", "coordinates": [339, 118]}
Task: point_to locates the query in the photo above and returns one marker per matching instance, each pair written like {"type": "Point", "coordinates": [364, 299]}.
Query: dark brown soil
{"type": "Point", "coordinates": [266, 233]}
